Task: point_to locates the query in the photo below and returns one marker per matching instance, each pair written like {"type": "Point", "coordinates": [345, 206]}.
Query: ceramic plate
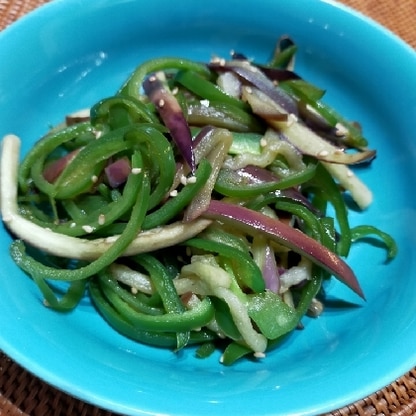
{"type": "Point", "coordinates": [69, 54]}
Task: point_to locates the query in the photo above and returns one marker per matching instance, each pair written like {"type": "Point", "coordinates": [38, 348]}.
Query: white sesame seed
{"type": "Point", "coordinates": [175, 90]}
{"type": "Point", "coordinates": [173, 193]}
{"type": "Point", "coordinates": [72, 225]}
{"type": "Point", "coordinates": [350, 173]}
{"type": "Point", "coordinates": [291, 119]}
{"type": "Point", "coordinates": [222, 62]}
{"type": "Point", "coordinates": [259, 354]}
{"type": "Point", "coordinates": [263, 142]}
{"type": "Point", "coordinates": [88, 229]}
{"type": "Point", "coordinates": [340, 129]}
{"type": "Point", "coordinates": [94, 178]}
{"type": "Point", "coordinates": [323, 153]}
{"type": "Point", "coordinates": [98, 134]}
{"type": "Point", "coordinates": [134, 290]}
{"type": "Point", "coordinates": [152, 78]}
{"type": "Point", "coordinates": [183, 180]}
{"type": "Point", "coordinates": [249, 90]}
{"type": "Point", "coordinates": [101, 219]}
{"type": "Point", "coordinates": [191, 179]}
{"type": "Point", "coordinates": [136, 171]}
{"type": "Point", "coordinates": [205, 103]}
{"type": "Point", "coordinates": [161, 102]}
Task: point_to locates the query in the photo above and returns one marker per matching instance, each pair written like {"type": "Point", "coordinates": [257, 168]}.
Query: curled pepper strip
{"type": "Point", "coordinates": [157, 338]}
{"type": "Point", "coordinates": [245, 269]}
{"type": "Point", "coordinates": [33, 267]}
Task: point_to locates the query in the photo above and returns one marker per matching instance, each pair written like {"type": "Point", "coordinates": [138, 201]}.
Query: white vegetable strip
{"type": "Point", "coordinates": [219, 283]}
{"type": "Point", "coordinates": [309, 143]}
{"type": "Point", "coordinates": [72, 247]}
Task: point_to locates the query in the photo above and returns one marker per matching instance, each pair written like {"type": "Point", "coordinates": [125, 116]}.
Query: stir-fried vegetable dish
{"type": "Point", "coordinates": [193, 206]}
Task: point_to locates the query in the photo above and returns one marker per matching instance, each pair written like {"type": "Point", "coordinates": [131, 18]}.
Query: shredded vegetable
{"type": "Point", "coordinates": [192, 207]}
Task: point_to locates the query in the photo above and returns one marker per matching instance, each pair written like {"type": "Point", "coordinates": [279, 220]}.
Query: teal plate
{"type": "Point", "coordinates": [68, 54]}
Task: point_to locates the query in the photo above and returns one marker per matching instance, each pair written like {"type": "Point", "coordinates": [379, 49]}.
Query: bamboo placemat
{"type": "Point", "coordinates": [22, 393]}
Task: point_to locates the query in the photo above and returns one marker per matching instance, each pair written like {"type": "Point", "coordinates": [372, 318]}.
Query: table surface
{"type": "Point", "coordinates": [21, 393]}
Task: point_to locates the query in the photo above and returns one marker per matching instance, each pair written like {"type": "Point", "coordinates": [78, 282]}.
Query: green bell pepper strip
{"type": "Point", "coordinates": [324, 185]}
{"type": "Point", "coordinates": [215, 233]}
{"type": "Point", "coordinates": [119, 111]}
{"type": "Point", "coordinates": [223, 115]}
{"type": "Point", "coordinates": [302, 93]}
{"type": "Point", "coordinates": [33, 267]}
{"type": "Point", "coordinates": [310, 290]}
{"type": "Point", "coordinates": [245, 269]}
{"type": "Point", "coordinates": [162, 282]}
{"type": "Point", "coordinates": [229, 183]}
{"type": "Point", "coordinates": [205, 89]}
{"type": "Point", "coordinates": [245, 143]}
{"type": "Point", "coordinates": [47, 145]}
{"type": "Point", "coordinates": [68, 301]}
{"type": "Point", "coordinates": [126, 328]}
{"type": "Point", "coordinates": [312, 223]}
{"type": "Point", "coordinates": [224, 319]}
{"type": "Point", "coordinates": [192, 319]}
{"type": "Point", "coordinates": [329, 236]}
{"type": "Point", "coordinates": [77, 176]}
{"type": "Point", "coordinates": [98, 218]}
{"type": "Point", "coordinates": [363, 231]}
{"type": "Point", "coordinates": [154, 145]}
{"type": "Point", "coordinates": [133, 84]}
{"type": "Point", "coordinates": [272, 315]}
{"type": "Point", "coordinates": [175, 205]}
{"type": "Point", "coordinates": [233, 352]}
{"type": "Point", "coordinates": [205, 350]}
{"type": "Point", "coordinates": [236, 350]}
{"type": "Point", "coordinates": [105, 279]}
{"type": "Point", "coordinates": [283, 56]}
{"type": "Point", "coordinates": [164, 286]}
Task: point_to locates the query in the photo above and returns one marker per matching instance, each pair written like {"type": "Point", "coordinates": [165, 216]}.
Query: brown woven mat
{"type": "Point", "coordinates": [21, 393]}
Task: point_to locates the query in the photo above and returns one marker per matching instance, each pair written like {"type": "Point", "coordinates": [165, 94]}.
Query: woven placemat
{"type": "Point", "coordinates": [22, 393]}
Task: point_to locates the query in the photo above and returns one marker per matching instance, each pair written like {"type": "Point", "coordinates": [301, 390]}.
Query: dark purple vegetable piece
{"type": "Point", "coordinates": [172, 116]}
{"type": "Point", "coordinates": [254, 222]}
{"type": "Point", "coordinates": [254, 76]}
{"type": "Point", "coordinates": [117, 172]}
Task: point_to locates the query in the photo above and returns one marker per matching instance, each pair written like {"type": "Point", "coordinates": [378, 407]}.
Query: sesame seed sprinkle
{"type": "Point", "coordinates": [340, 129]}
{"type": "Point", "coordinates": [323, 153]}
{"type": "Point", "coordinates": [161, 102]}
{"type": "Point", "coordinates": [263, 142]}
{"type": "Point", "coordinates": [173, 193]}
{"type": "Point", "coordinates": [101, 219]}
{"type": "Point", "coordinates": [88, 229]}
{"type": "Point", "coordinates": [136, 171]}
{"type": "Point", "coordinates": [183, 180]}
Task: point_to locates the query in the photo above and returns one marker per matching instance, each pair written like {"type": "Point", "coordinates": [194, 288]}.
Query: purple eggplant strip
{"type": "Point", "coordinates": [172, 116]}
{"type": "Point", "coordinates": [256, 77]}
{"type": "Point", "coordinates": [253, 222]}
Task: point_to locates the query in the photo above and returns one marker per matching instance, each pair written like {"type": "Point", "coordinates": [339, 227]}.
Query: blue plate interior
{"type": "Point", "coordinates": [69, 54]}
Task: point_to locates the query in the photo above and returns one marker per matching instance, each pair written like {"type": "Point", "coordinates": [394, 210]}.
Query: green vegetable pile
{"type": "Point", "coordinates": [192, 206]}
